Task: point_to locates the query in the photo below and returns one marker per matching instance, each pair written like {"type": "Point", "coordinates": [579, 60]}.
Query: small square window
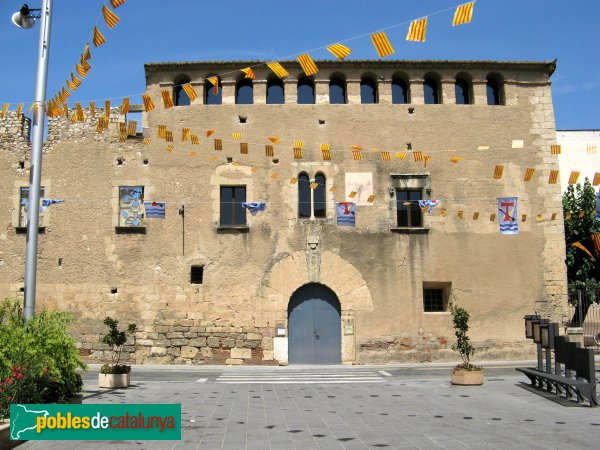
{"type": "Point", "coordinates": [196, 274]}
{"type": "Point", "coordinates": [131, 206]}
{"type": "Point", "coordinates": [435, 296]}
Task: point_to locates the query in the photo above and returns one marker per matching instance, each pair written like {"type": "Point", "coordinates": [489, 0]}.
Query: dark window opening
{"type": "Point", "coordinates": [21, 164]}
{"type": "Point", "coordinates": [431, 92]}
{"type": "Point", "coordinates": [196, 274]}
{"type": "Point", "coordinates": [321, 122]}
{"type": "Point", "coordinates": [180, 96]}
{"type": "Point", "coordinates": [113, 290]}
{"type": "Point", "coordinates": [399, 91]}
{"type": "Point", "coordinates": [368, 91]}
{"type": "Point", "coordinates": [337, 91]}
{"type": "Point", "coordinates": [306, 91]}
{"type": "Point", "coordinates": [275, 92]}
{"type": "Point", "coordinates": [303, 195]}
{"type": "Point", "coordinates": [319, 196]}
{"type": "Point", "coordinates": [232, 212]}
{"type": "Point", "coordinates": [462, 92]}
{"type": "Point", "coordinates": [409, 212]}
{"type": "Point", "coordinates": [433, 300]}
{"type": "Point", "coordinates": [210, 96]}
{"type": "Point", "coordinates": [244, 92]}
{"type": "Point", "coordinates": [494, 96]}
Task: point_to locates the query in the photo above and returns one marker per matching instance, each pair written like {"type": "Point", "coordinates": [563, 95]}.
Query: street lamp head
{"type": "Point", "coordinates": [24, 17]}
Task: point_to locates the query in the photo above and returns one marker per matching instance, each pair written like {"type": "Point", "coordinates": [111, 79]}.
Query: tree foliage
{"type": "Point", "coordinates": [116, 339]}
{"type": "Point", "coordinates": [582, 271]}
{"type": "Point", "coordinates": [460, 318]}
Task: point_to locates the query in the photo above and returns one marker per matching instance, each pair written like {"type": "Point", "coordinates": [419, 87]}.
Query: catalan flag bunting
{"type": "Point", "coordinates": [215, 82]}
{"type": "Point", "coordinates": [574, 177]}
{"type": "Point", "coordinates": [529, 172]}
{"type": "Point", "coordinates": [71, 86]}
{"type": "Point", "coordinates": [98, 39]}
{"type": "Point", "coordinates": [382, 44]}
{"type": "Point", "coordinates": [169, 136]}
{"type": "Point", "coordinates": [110, 17]}
{"type": "Point", "coordinates": [269, 151]}
{"type": "Point", "coordinates": [417, 30]}
{"type": "Point", "coordinates": [278, 69]}
{"type": "Point", "coordinates": [76, 81]}
{"type": "Point", "coordinates": [498, 171]}
{"type": "Point", "coordinates": [553, 178]}
{"type": "Point", "coordinates": [147, 141]}
{"type": "Point", "coordinates": [116, 3]}
{"type": "Point", "coordinates": [132, 128]}
{"type": "Point", "coordinates": [400, 155]}
{"type": "Point", "coordinates": [81, 71]}
{"type": "Point", "coordinates": [326, 153]}
{"type": "Point", "coordinates": [237, 135]}
{"type": "Point", "coordinates": [195, 139]}
{"type": "Point", "coordinates": [218, 144]}
{"type": "Point", "coordinates": [293, 180]}
{"type": "Point", "coordinates": [192, 154]}
{"type": "Point", "coordinates": [596, 180]}
{"type": "Point", "coordinates": [249, 73]}
{"type": "Point", "coordinates": [86, 55]}
{"type": "Point", "coordinates": [385, 156]}
{"type": "Point", "coordinates": [357, 155]}
{"type": "Point", "coordinates": [298, 144]}
{"type": "Point", "coordinates": [107, 109]}
{"type": "Point", "coordinates": [297, 153]}
{"type": "Point", "coordinates": [79, 112]}
{"type": "Point", "coordinates": [418, 156]}
{"type": "Point", "coordinates": [125, 105]}
{"type": "Point", "coordinates": [463, 14]}
{"type": "Point", "coordinates": [191, 93]}
{"type": "Point", "coordinates": [356, 147]}
{"type": "Point", "coordinates": [86, 65]}
{"type": "Point", "coordinates": [209, 133]}
{"type": "Point", "coordinates": [517, 143]}
{"type": "Point", "coordinates": [313, 185]}
{"type": "Point", "coordinates": [456, 159]}
{"type": "Point", "coordinates": [579, 245]}
{"type": "Point", "coordinates": [169, 148]}
{"type": "Point", "coordinates": [148, 103]}
{"type": "Point", "coordinates": [19, 109]}
{"type": "Point", "coordinates": [596, 239]}
{"type": "Point", "coordinates": [371, 199]}
{"type": "Point", "coordinates": [308, 65]}
{"type": "Point", "coordinates": [339, 51]}
{"type": "Point", "coordinates": [555, 149]}
{"type": "Point", "coordinates": [185, 134]}
{"type": "Point", "coordinates": [244, 148]}
{"type": "Point", "coordinates": [167, 100]}
{"type": "Point", "coordinates": [274, 140]}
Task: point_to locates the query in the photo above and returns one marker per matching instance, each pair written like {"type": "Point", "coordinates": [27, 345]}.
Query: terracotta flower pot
{"type": "Point", "coordinates": [467, 377]}
{"type": "Point", "coordinates": [113, 380]}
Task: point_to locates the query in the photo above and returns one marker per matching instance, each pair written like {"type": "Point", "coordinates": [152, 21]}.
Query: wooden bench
{"type": "Point", "coordinates": [578, 377]}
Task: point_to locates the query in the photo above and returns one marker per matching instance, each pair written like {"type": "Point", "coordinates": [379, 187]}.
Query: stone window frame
{"type": "Point", "coordinates": [115, 204]}
{"type": "Point", "coordinates": [466, 82]}
{"type": "Point", "coordinates": [44, 218]}
{"type": "Point", "coordinates": [178, 82]}
{"type": "Point", "coordinates": [409, 182]}
{"type": "Point", "coordinates": [446, 288]}
{"type": "Point", "coordinates": [397, 78]}
{"type": "Point", "coordinates": [230, 175]}
{"type": "Point", "coordinates": [500, 84]}
{"type": "Point", "coordinates": [243, 81]}
{"type": "Point", "coordinates": [435, 78]}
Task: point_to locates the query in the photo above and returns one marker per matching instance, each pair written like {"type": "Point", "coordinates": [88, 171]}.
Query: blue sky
{"type": "Point", "coordinates": [177, 30]}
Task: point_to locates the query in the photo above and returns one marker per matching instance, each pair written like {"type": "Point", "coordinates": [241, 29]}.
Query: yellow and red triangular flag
{"type": "Point", "coordinates": [417, 30]}
{"type": "Point", "coordinates": [98, 39]}
{"type": "Point", "coordinates": [339, 51]}
{"type": "Point", "coordinates": [382, 44]}
{"type": "Point", "coordinates": [463, 14]}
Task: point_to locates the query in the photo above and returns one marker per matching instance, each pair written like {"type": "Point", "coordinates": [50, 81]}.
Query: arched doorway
{"type": "Point", "coordinates": [314, 326]}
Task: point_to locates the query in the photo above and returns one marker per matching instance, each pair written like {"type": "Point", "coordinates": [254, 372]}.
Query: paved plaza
{"type": "Point", "coordinates": [347, 407]}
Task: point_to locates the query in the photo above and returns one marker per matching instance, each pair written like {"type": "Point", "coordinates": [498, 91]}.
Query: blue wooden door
{"type": "Point", "coordinates": [314, 326]}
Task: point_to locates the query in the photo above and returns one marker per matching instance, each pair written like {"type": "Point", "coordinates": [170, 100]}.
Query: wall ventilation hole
{"type": "Point", "coordinates": [59, 262]}
{"type": "Point", "coordinates": [196, 274]}
{"type": "Point", "coordinates": [408, 146]}
{"type": "Point", "coordinates": [21, 289]}
{"type": "Point", "coordinates": [321, 122]}
{"type": "Point", "coordinates": [229, 160]}
{"type": "Point", "coordinates": [275, 161]}
{"type": "Point", "coordinates": [120, 161]}
{"type": "Point", "coordinates": [243, 119]}
{"type": "Point", "coordinates": [21, 164]}
{"type": "Point", "coordinates": [146, 162]}
{"type": "Point", "coordinates": [411, 110]}
{"type": "Point", "coordinates": [113, 290]}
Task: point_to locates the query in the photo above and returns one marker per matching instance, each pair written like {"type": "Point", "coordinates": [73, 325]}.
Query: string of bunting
{"type": "Point", "coordinates": [417, 31]}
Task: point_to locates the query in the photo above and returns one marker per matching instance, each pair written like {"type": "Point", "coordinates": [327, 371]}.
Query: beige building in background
{"type": "Point", "coordinates": [580, 152]}
{"type": "Point", "coordinates": [211, 283]}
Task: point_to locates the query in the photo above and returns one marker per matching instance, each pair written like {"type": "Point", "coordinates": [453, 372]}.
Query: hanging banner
{"type": "Point", "coordinates": [598, 205]}
{"type": "Point", "coordinates": [346, 214]}
{"type": "Point", "coordinates": [255, 207]}
{"type": "Point", "coordinates": [429, 204]}
{"type": "Point", "coordinates": [155, 210]}
{"type": "Point", "coordinates": [507, 207]}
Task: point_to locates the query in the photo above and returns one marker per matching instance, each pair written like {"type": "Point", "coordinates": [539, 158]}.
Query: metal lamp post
{"type": "Point", "coordinates": [25, 19]}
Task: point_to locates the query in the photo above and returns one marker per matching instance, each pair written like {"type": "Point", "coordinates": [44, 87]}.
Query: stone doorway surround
{"type": "Point", "coordinates": [295, 270]}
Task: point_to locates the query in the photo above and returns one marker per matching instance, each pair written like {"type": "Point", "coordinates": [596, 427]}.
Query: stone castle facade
{"type": "Point", "coordinates": [211, 283]}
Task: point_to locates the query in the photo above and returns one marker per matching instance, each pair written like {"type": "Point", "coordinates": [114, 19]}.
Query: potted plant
{"type": "Point", "coordinates": [465, 374]}
{"type": "Point", "coordinates": [115, 375]}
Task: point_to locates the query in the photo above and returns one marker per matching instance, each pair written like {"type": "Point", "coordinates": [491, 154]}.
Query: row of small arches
{"type": "Point", "coordinates": [369, 90]}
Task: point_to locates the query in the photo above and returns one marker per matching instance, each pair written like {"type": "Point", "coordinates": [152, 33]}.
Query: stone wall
{"type": "Point", "coordinates": [88, 266]}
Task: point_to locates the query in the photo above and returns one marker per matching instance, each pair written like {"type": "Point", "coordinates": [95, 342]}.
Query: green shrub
{"type": "Point", "coordinates": [116, 340]}
{"type": "Point", "coordinates": [460, 318]}
{"type": "Point", "coordinates": [42, 350]}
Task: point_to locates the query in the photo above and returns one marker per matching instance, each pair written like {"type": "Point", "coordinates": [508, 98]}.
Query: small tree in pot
{"type": "Point", "coordinates": [465, 373]}
{"type": "Point", "coordinates": [115, 375]}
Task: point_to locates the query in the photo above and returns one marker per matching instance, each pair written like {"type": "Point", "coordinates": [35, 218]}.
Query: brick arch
{"type": "Point", "coordinates": [339, 275]}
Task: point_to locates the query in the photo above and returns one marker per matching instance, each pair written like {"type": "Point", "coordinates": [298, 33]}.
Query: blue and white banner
{"type": "Point", "coordinates": [507, 208]}
{"type": "Point", "coordinates": [155, 210]}
{"type": "Point", "coordinates": [346, 214]}
{"type": "Point", "coordinates": [254, 207]}
{"type": "Point", "coordinates": [598, 205]}
{"type": "Point", "coordinates": [429, 204]}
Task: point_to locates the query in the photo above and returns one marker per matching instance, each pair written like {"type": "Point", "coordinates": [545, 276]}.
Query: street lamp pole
{"type": "Point", "coordinates": [35, 176]}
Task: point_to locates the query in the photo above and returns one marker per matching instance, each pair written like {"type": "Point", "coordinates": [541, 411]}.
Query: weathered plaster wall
{"type": "Point", "coordinates": [249, 276]}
